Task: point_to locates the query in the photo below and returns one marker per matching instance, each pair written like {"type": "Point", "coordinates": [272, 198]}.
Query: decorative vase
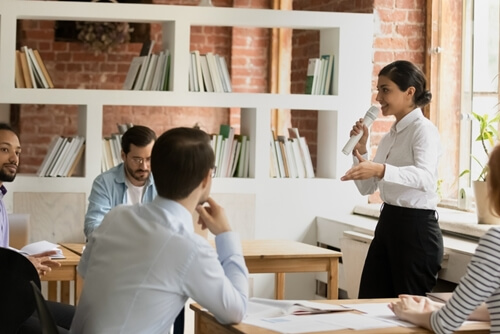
{"type": "Point", "coordinates": [206, 3]}
{"type": "Point", "coordinates": [483, 211]}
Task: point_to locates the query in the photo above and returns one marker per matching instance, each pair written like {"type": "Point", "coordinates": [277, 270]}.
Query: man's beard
{"type": "Point", "coordinates": [6, 177]}
{"type": "Point", "coordinates": [132, 174]}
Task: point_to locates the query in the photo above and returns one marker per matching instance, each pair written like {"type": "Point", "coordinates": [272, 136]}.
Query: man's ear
{"type": "Point", "coordinates": [206, 179]}
{"type": "Point", "coordinates": [124, 156]}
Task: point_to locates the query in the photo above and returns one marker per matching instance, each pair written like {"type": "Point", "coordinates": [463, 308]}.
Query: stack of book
{"type": "Point", "coordinates": [63, 157]}
{"type": "Point", "coordinates": [319, 80]}
{"type": "Point", "coordinates": [112, 148]}
{"type": "Point", "coordinates": [30, 71]}
{"type": "Point", "coordinates": [232, 153]}
{"type": "Point", "coordinates": [208, 73]}
{"type": "Point", "coordinates": [290, 157]}
{"type": "Point", "coordinates": [149, 71]}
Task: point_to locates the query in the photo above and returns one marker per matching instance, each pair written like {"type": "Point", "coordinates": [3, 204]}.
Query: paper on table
{"type": "Point", "coordinates": [42, 246]}
{"type": "Point", "coordinates": [263, 307]}
{"type": "Point", "coordinates": [380, 311]}
{"type": "Point", "coordinates": [291, 324]}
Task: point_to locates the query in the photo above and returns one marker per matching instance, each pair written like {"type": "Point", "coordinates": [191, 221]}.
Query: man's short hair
{"type": "Point", "coordinates": [181, 159]}
{"type": "Point", "coordinates": [138, 135]}
{"type": "Point", "coordinates": [5, 126]}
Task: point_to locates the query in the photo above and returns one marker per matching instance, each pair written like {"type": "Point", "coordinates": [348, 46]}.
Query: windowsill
{"type": "Point", "coordinates": [451, 221]}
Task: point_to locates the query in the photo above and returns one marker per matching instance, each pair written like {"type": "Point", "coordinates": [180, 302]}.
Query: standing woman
{"type": "Point", "coordinates": [406, 252]}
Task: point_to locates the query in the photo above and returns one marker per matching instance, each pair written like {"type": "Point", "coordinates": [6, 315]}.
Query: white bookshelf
{"type": "Point", "coordinates": [259, 207]}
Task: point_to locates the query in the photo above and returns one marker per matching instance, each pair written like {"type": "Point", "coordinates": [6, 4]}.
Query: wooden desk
{"type": "Point", "coordinates": [280, 257]}
{"type": "Point", "coordinates": [205, 323]}
{"type": "Point", "coordinates": [76, 248]}
{"type": "Point", "coordinates": [65, 273]}
{"type": "Point", "coordinates": [286, 256]}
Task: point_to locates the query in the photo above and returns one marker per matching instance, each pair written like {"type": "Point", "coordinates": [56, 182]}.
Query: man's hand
{"type": "Point", "coordinates": [42, 262]}
{"type": "Point", "coordinates": [213, 217]}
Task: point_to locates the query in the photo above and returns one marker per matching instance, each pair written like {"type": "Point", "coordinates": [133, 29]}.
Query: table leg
{"type": "Point", "coordinates": [279, 286]}
{"type": "Point", "coordinates": [333, 274]}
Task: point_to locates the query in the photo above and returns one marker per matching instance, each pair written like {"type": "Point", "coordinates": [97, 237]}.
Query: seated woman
{"type": "Point", "coordinates": [477, 297]}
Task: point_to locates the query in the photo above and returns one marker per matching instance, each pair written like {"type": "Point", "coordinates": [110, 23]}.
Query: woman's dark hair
{"type": "Point", "coordinates": [180, 160]}
{"type": "Point", "coordinates": [405, 74]}
{"type": "Point", "coordinates": [138, 135]}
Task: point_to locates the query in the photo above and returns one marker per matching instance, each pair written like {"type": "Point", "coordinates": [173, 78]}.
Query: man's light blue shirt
{"type": "Point", "coordinates": [109, 190]}
{"type": "Point", "coordinates": [141, 265]}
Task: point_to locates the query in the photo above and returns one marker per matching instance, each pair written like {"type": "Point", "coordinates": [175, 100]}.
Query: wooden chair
{"type": "Point", "coordinates": [19, 224]}
{"type": "Point", "coordinates": [17, 302]}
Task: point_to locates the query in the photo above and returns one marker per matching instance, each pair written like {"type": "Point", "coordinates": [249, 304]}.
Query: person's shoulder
{"type": "Point", "coordinates": [111, 174]}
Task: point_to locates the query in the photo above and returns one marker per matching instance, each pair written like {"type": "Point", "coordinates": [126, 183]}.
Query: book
{"type": "Point", "coordinates": [197, 70]}
{"type": "Point", "coordinates": [61, 157]}
{"type": "Point", "coordinates": [327, 87]}
{"type": "Point", "coordinates": [268, 308]}
{"type": "Point", "coordinates": [19, 78]}
{"type": "Point", "coordinates": [37, 70]}
{"type": "Point", "coordinates": [313, 63]}
{"type": "Point", "coordinates": [301, 169]}
{"type": "Point", "coordinates": [26, 70]}
{"type": "Point", "coordinates": [29, 67]}
{"type": "Point", "coordinates": [244, 143]}
{"type": "Point", "coordinates": [284, 156]}
{"type": "Point", "coordinates": [76, 161]}
{"type": "Point", "coordinates": [148, 78]}
{"type": "Point", "coordinates": [41, 247]}
{"type": "Point", "coordinates": [53, 147]}
{"type": "Point", "coordinates": [64, 158]}
{"type": "Point", "coordinates": [43, 68]}
{"type": "Point", "coordinates": [132, 73]}
{"type": "Point", "coordinates": [214, 73]}
{"type": "Point", "coordinates": [226, 79]}
{"type": "Point", "coordinates": [304, 150]}
{"type": "Point", "coordinates": [227, 133]}
{"type": "Point", "coordinates": [159, 71]}
{"type": "Point", "coordinates": [74, 155]}
{"type": "Point", "coordinates": [207, 77]}
{"type": "Point", "coordinates": [56, 156]}
{"type": "Point", "coordinates": [165, 83]}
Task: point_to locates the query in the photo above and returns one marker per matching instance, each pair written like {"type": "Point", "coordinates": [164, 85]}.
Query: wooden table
{"type": "Point", "coordinates": [64, 274]}
{"type": "Point", "coordinates": [205, 323]}
{"type": "Point", "coordinates": [286, 256]}
{"type": "Point", "coordinates": [280, 257]}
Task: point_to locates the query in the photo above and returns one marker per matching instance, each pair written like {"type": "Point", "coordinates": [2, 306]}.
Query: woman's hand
{"type": "Point", "coordinates": [357, 129]}
{"type": "Point", "coordinates": [364, 170]}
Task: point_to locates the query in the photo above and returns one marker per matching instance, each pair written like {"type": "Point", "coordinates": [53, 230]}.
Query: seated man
{"type": "Point", "coordinates": [145, 260]}
{"type": "Point", "coordinates": [10, 150]}
{"type": "Point", "coordinates": [130, 182]}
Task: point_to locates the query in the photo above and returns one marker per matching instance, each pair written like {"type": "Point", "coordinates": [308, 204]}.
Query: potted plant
{"type": "Point", "coordinates": [488, 136]}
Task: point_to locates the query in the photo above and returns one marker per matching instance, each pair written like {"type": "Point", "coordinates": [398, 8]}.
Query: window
{"type": "Point", "coordinates": [485, 68]}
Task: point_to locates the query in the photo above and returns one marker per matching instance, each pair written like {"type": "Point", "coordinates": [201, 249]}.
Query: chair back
{"type": "Point", "coordinates": [19, 227]}
{"type": "Point", "coordinates": [46, 320]}
{"type": "Point", "coordinates": [17, 302]}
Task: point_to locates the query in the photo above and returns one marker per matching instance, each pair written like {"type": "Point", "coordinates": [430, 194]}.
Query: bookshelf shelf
{"type": "Point", "coordinates": [259, 207]}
